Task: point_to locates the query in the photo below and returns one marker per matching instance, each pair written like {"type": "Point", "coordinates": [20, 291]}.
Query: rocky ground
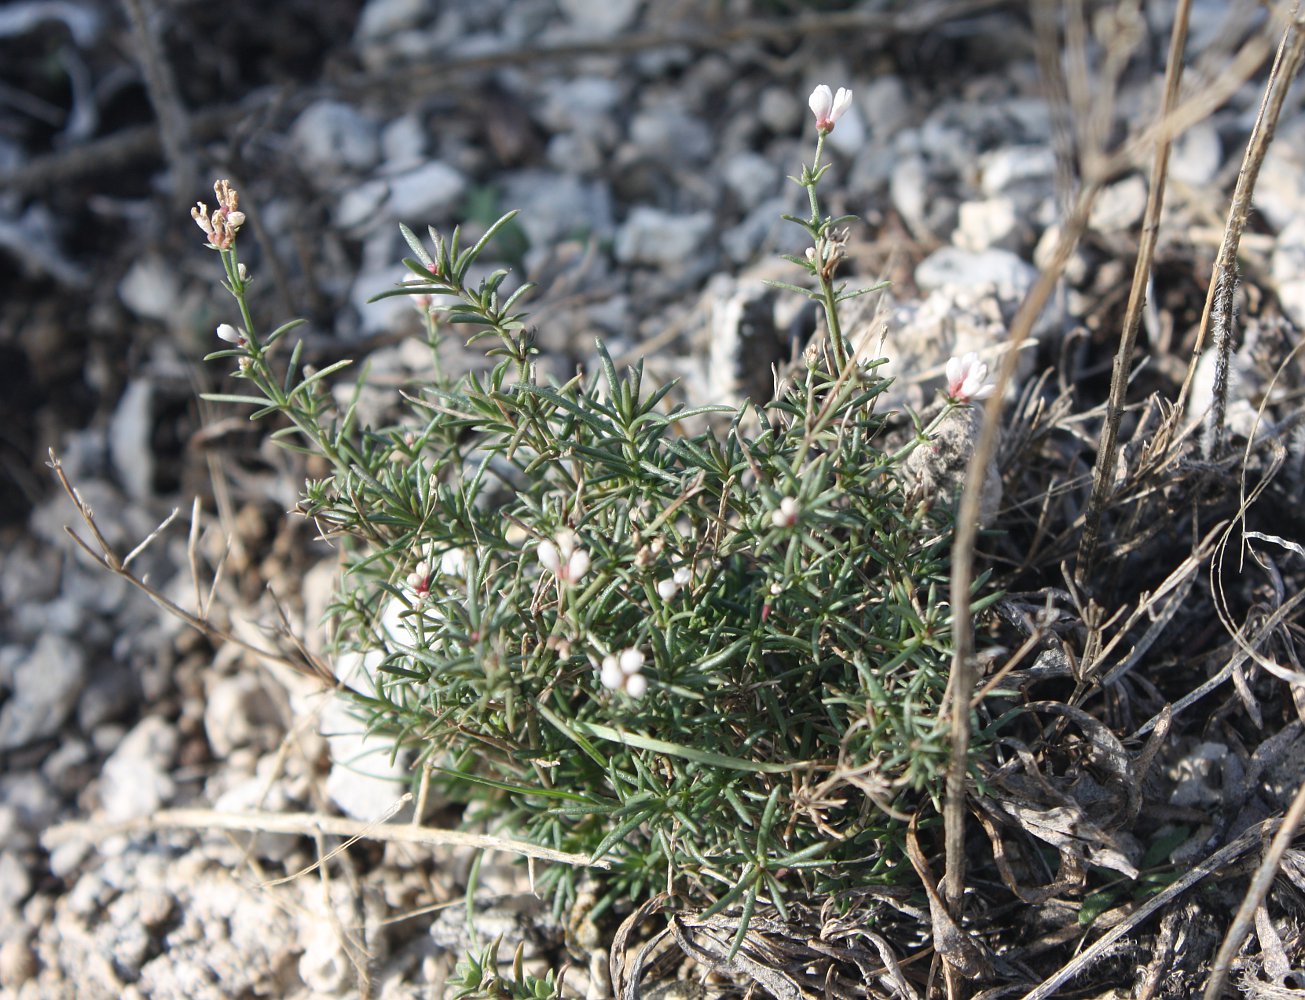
{"type": "Point", "coordinates": [646, 146]}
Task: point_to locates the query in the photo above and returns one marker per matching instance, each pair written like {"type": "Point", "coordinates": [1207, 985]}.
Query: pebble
{"type": "Point", "coordinates": [426, 195]}
{"type": "Point", "coordinates": [17, 960]}
{"type": "Point", "coordinates": [939, 468]}
{"type": "Point", "coordinates": [331, 138]}
{"type": "Point", "coordinates": [238, 712]}
{"type": "Point", "coordinates": [1197, 155]}
{"type": "Point", "coordinates": [15, 882]}
{"type": "Point", "coordinates": [1119, 206]}
{"type": "Point", "coordinates": [662, 239]}
{"type": "Point", "coordinates": [151, 288]}
{"type": "Point", "coordinates": [1288, 270]}
{"type": "Point", "coordinates": [983, 225]}
{"type": "Point", "coordinates": [130, 433]}
{"type": "Point", "coordinates": [1280, 189]}
{"type": "Point", "coordinates": [556, 206]}
{"type": "Point", "coordinates": [136, 780]}
{"type": "Point", "coordinates": [670, 134]}
{"type": "Point", "coordinates": [46, 686]}
{"type": "Point", "coordinates": [600, 18]}
{"type": "Point", "coordinates": [751, 177]}
{"type": "Point", "coordinates": [1000, 269]}
{"type": "Point", "coordinates": [111, 694]}
{"type": "Point", "coordinates": [383, 18]}
{"type": "Point", "coordinates": [363, 782]}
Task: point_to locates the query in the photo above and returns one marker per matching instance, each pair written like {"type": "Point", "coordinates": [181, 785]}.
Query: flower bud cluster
{"type": "Point", "coordinates": [563, 558]}
{"type": "Point", "coordinates": [624, 672]}
{"type": "Point", "coordinates": [222, 225]}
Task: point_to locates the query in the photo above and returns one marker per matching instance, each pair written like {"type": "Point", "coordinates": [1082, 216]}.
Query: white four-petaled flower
{"type": "Point", "coordinates": [828, 107]}
{"type": "Point", "coordinates": [967, 379]}
{"type": "Point", "coordinates": [563, 559]}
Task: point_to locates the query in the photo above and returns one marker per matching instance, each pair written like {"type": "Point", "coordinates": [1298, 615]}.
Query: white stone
{"type": "Point", "coordinates": [751, 176]}
{"type": "Point", "coordinates": [982, 225]}
{"type": "Point", "coordinates": [331, 138]}
{"type": "Point", "coordinates": [136, 780]}
{"type": "Point", "coordinates": [15, 882]}
{"type": "Point", "coordinates": [382, 18]}
{"type": "Point", "coordinates": [584, 104]}
{"type": "Point", "coordinates": [130, 431]}
{"type": "Point", "coordinates": [1119, 206]}
{"type": "Point", "coordinates": [47, 685]}
{"type": "Point", "coordinates": [849, 135]}
{"type": "Point", "coordinates": [362, 204]}
{"type": "Point", "coordinates": [151, 288]}
{"type": "Point", "coordinates": [403, 143]}
{"type": "Point", "coordinates": [419, 197]}
{"type": "Point", "coordinates": [1001, 269]}
{"type": "Point", "coordinates": [665, 132]}
{"type": "Point", "coordinates": [1288, 269]}
{"type": "Point", "coordinates": [908, 189]}
{"type": "Point", "coordinates": [1280, 189]}
{"type": "Point", "coordinates": [238, 712]}
{"type": "Point", "coordinates": [887, 105]}
{"type": "Point", "coordinates": [600, 18]}
{"type": "Point", "coordinates": [1011, 168]}
{"type": "Point", "coordinates": [556, 206]}
{"type": "Point", "coordinates": [651, 236]}
{"type": "Point", "coordinates": [1197, 155]}
{"type": "Point", "coordinates": [363, 782]}
{"type": "Point", "coordinates": [780, 111]}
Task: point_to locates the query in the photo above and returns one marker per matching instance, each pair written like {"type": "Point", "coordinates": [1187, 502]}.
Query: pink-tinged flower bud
{"type": "Point", "coordinates": [563, 558]}
{"type": "Point", "coordinates": [787, 514]}
{"type": "Point", "coordinates": [829, 107]}
{"type": "Point", "coordinates": [419, 580]}
{"type": "Point", "coordinates": [230, 334]}
{"type": "Point", "coordinates": [967, 379]}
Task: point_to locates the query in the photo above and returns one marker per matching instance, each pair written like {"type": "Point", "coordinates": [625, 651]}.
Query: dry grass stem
{"type": "Point", "coordinates": [310, 824]}
{"type": "Point", "coordinates": [1103, 473]}
{"type": "Point", "coordinates": [1259, 889]}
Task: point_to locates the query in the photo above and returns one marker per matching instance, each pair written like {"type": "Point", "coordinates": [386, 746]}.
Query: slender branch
{"type": "Point", "coordinates": [1285, 66]}
{"type": "Point", "coordinates": [1103, 473]}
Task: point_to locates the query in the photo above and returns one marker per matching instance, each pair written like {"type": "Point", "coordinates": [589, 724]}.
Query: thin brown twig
{"type": "Point", "coordinates": [1219, 297]}
{"type": "Point", "coordinates": [1103, 474]}
{"type": "Point", "coordinates": [107, 557]}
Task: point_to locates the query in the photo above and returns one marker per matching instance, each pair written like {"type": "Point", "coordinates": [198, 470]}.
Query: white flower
{"type": "Point", "coordinates": [631, 661]}
{"type": "Point", "coordinates": [787, 514]}
{"type": "Point", "coordinates": [829, 107]}
{"type": "Point", "coordinates": [229, 333]}
{"type": "Point", "coordinates": [669, 587]}
{"type": "Point", "coordinates": [419, 579]}
{"type": "Point", "coordinates": [561, 557]}
{"type": "Point", "coordinates": [624, 672]}
{"type": "Point", "coordinates": [636, 686]}
{"type": "Point", "coordinates": [967, 379]}
{"type": "Point", "coordinates": [610, 674]}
